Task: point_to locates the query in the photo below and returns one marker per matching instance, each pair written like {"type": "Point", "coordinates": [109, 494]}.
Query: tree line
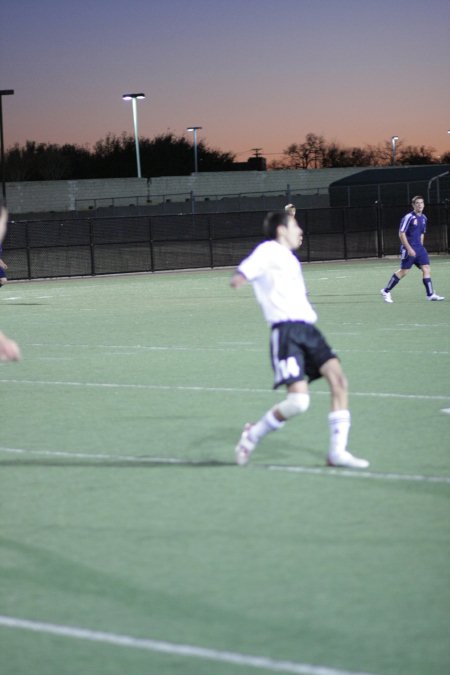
{"type": "Point", "coordinates": [317, 153]}
{"type": "Point", "coordinates": [112, 157]}
{"type": "Point", "coordinates": [171, 155]}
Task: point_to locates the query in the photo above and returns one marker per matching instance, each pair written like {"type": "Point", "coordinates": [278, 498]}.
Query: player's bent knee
{"type": "Point", "coordinates": [294, 404]}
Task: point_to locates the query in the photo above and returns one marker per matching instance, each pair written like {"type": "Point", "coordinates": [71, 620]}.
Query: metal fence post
{"type": "Point", "coordinates": [344, 231]}
{"type": "Point", "coordinates": [150, 242]}
{"type": "Point", "coordinates": [305, 224]}
{"type": "Point", "coordinates": [92, 246]}
{"type": "Point", "coordinates": [28, 249]}
{"type": "Point", "coordinates": [446, 226]}
{"type": "Point", "coordinates": [210, 242]}
{"type": "Point", "coordinates": [380, 239]}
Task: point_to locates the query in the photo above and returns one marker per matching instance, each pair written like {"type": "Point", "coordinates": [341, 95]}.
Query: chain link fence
{"type": "Point", "coordinates": [36, 249]}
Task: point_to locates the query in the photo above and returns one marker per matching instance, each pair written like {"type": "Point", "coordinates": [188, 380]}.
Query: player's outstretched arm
{"type": "Point", "coordinates": [9, 350]}
{"type": "Point", "coordinates": [237, 280]}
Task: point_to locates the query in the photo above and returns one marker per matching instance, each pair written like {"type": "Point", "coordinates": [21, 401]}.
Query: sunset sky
{"type": "Point", "coordinates": [252, 73]}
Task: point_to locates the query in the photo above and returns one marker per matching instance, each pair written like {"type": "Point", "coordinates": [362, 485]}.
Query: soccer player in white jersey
{"type": "Point", "coordinates": [9, 350]}
{"type": "Point", "coordinates": [412, 251]}
{"type": "Point", "coordinates": [300, 353]}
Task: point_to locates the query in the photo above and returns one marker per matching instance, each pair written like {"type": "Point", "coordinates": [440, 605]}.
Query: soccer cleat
{"type": "Point", "coordinates": [245, 447]}
{"type": "Point", "coordinates": [386, 295]}
{"type": "Point", "coordinates": [346, 459]}
{"type": "Point", "coordinates": [435, 296]}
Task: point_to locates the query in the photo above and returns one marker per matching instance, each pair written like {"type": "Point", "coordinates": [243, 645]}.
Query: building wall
{"type": "Point", "coordinates": [61, 196]}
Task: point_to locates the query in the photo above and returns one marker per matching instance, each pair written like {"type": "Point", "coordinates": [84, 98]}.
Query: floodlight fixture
{"type": "Point", "coordinates": [195, 129]}
{"type": "Point", "coordinates": [133, 98]}
{"type": "Point", "coordinates": [128, 97]}
{"type": "Point", "coordinates": [3, 92]}
{"type": "Point", "coordinates": [394, 140]}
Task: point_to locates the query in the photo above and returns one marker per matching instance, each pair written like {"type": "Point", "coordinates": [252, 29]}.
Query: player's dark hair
{"type": "Point", "coordinates": [272, 222]}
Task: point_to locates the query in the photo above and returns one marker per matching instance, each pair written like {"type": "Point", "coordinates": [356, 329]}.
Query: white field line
{"type": "Point", "coordinates": [55, 358]}
{"type": "Point", "coordinates": [356, 473]}
{"type": "Point", "coordinates": [411, 327]}
{"type": "Point", "coordinates": [315, 471]}
{"type": "Point", "coordinates": [84, 283]}
{"type": "Point", "coordinates": [424, 325]}
{"type": "Point", "coordinates": [232, 390]}
{"type": "Point", "coordinates": [96, 456]}
{"type": "Point", "coordinates": [228, 347]}
{"type": "Point", "coordinates": [172, 648]}
{"type": "Point", "coordinates": [152, 348]}
{"type": "Point", "coordinates": [425, 352]}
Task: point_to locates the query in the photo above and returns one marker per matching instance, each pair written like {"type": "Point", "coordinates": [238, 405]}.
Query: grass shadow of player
{"type": "Point", "coordinates": [275, 446]}
{"type": "Point", "coordinates": [138, 463]}
{"type": "Point", "coordinates": [300, 456]}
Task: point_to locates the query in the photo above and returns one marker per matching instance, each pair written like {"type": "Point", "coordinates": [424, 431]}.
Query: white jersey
{"type": "Point", "coordinates": [277, 279]}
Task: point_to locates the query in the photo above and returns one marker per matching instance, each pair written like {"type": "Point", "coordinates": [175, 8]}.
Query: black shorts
{"type": "Point", "coordinates": [298, 351]}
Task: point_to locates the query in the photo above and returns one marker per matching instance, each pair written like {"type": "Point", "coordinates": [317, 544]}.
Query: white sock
{"type": "Point", "coordinates": [267, 423]}
{"type": "Point", "coordinates": [339, 422]}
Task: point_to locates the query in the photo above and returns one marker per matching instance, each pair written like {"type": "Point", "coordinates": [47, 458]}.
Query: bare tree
{"type": "Point", "coordinates": [413, 154]}
{"type": "Point", "coordinates": [306, 155]}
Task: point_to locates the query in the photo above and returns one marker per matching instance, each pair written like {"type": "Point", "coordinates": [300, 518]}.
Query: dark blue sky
{"type": "Point", "coordinates": [252, 73]}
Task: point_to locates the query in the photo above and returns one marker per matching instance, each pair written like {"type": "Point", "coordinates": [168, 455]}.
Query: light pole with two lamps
{"type": "Point", "coordinates": [133, 98]}
{"type": "Point", "coordinates": [3, 92]}
{"type": "Point", "coordinates": [195, 129]}
{"type": "Point", "coordinates": [394, 140]}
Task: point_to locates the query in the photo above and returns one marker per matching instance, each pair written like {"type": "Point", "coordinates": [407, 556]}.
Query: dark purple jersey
{"type": "Point", "coordinates": [414, 226]}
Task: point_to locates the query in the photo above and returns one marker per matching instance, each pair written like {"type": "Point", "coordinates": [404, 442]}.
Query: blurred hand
{"type": "Point", "coordinates": [9, 350]}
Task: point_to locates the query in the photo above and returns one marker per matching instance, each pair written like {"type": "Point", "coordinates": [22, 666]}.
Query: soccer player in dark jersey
{"type": "Point", "coordinates": [300, 353]}
{"type": "Point", "coordinates": [9, 350]}
{"type": "Point", "coordinates": [412, 251]}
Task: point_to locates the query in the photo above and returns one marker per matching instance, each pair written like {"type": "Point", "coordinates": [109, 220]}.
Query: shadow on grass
{"type": "Point", "coordinates": [116, 464]}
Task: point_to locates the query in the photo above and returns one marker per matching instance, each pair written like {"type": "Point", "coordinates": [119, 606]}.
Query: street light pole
{"type": "Point", "coordinates": [133, 98]}
{"type": "Point", "coordinates": [394, 140]}
{"type": "Point", "coordinates": [3, 92]}
{"type": "Point", "coordinates": [195, 129]}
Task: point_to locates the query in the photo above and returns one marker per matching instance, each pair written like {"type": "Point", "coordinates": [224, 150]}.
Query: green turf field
{"type": "Point", "coordinates": [135, 546]}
